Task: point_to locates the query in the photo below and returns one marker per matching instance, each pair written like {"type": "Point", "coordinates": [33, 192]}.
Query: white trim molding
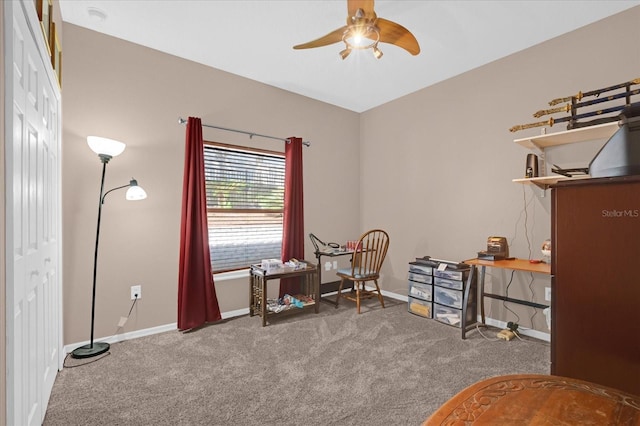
{"type": "Point", "coordinates": [148, 331]}
{"type": "Point", "coordinates": [245, 311]}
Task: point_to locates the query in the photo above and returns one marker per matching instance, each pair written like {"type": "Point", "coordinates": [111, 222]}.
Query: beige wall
{"type": "Point", "coordinates": [134, 94]}
{"type": "Point", "coordinates": [433, 168]}
{"type": "Point", "coordinates": [437, 165]}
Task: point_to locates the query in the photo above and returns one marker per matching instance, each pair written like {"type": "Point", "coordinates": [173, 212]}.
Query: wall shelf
{"type": "Point", "coordinates": [544, 181]}
{"type": "Point", "coordinates": [583, 134]}
{"type": "Point", "coordinates": [541, 142]}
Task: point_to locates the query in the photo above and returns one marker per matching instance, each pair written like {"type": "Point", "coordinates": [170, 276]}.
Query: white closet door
{"type": "Point", "coordinates": [32, 219]}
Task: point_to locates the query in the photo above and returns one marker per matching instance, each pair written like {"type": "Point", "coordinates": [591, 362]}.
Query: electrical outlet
{"type": "Point", "coordinates": [136, 292]}
{"type": "Point", "coordinates": [547, 294]}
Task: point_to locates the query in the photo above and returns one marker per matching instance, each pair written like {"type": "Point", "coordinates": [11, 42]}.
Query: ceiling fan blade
{"type": "Point", "coordinates": [393, 33]}
{"type": "Point", "coordinates": [354, 5]}
{"type": "Point", "coordinates": [333, 37]}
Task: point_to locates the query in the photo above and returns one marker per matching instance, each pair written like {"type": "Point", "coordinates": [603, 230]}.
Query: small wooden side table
{"type": "Point", "coordinates": [259, 278]}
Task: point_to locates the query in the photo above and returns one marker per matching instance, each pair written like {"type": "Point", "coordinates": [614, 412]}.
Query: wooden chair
{"type": "Point", "coordinates": [365, 266]}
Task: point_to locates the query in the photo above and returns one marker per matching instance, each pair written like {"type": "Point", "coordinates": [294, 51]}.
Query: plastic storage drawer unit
{"type": "Point", "coordinates": [419, 278]}
{"type": "Point", "coordinates": [421, 269]}
{"type": "Point", "coordinates": [444, 282]}
{"type": "Point", "coordinates": [420, 307]}
{"type": "Point", "coordinates": [447, 315]}
{"type": "Point", "coordinates": [451, 274]}
{"type": "Point", "coordinates": [421, 291]}
{"type": "Point", "coordinates": [445, 296]}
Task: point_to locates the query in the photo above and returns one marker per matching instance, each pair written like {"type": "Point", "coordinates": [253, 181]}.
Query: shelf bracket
{"type": "Point", "coordinates": [543, 187]}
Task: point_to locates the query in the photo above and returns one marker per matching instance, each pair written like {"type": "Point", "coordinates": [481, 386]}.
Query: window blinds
{"type": "Point", "coordinates": [245, 202]}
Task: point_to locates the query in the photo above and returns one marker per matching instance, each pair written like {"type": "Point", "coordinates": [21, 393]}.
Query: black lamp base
{"type": "Point", "coordinates": [88, 351]}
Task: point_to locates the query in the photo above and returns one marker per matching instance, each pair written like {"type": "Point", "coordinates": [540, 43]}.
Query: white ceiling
{"type": "Point", "coordinates": [254, 38]}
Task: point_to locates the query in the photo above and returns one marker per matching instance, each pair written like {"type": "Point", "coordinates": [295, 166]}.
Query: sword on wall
{"type": "Point", "coordinates": [551, 121]}
{"type": "Point", "coordinates": [569, 107]}
{"type": "Point", "coordinates": [581, 95]}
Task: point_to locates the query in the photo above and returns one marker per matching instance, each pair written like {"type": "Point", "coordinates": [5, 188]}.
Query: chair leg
{"type": "Point", "coordinates": [339, 292]}
{"type": "Point", "coordinates": [358, 295]}
{"type": "Point", "coordinates": [379, 293]}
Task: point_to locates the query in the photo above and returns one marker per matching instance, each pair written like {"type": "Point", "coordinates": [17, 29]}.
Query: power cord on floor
{"type": "Point", "coordinates": [495, 339]}
{"type": "Point", "coordinates": [510, 326]}
{"type": "Point", "coordinates": [515, 333]}
{"type": "Point", "coordinates": [531, 341]}
{"type": "Point", "coordinates": [64, 363]}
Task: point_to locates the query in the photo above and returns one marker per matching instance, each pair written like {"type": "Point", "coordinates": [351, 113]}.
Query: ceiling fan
{"type": "Point", "coordinates": [365, 30]}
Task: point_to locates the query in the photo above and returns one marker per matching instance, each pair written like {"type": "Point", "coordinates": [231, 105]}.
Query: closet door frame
{"type": "Point", "coordinates": [32, 237]}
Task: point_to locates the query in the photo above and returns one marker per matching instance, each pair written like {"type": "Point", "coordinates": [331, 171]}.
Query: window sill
{"type": "Point", "coordinates": [232, 275]}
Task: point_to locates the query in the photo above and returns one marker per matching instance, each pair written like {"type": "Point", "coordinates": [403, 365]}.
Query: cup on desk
{"type": "Point", "coordinates": [353, 245]}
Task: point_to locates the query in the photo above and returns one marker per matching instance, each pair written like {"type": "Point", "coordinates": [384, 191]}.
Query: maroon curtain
{"type": "Point", "coordinates": [293, 222]}
{"type": "Point", "coordinates": [197, 301]}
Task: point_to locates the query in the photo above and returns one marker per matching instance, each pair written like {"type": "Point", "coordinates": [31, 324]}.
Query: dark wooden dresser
{"type": "Point", "coordinates": [595, 268]}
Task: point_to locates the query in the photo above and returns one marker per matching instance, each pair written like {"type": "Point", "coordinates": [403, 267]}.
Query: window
{"type": "Point", "coordinates": [245, 205]}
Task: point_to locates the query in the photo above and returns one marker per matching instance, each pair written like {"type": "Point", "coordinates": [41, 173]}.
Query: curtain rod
{"type": "Point", "coordinates": [251, 134]}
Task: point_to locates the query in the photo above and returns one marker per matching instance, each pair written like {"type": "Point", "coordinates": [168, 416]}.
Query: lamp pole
{"type": "Point", "coordinates": [106, 150]}
{"type": "Point", "coordinates": [94, 349]}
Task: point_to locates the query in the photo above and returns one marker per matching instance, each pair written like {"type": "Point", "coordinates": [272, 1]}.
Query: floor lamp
{"type": "Point", "coordinates": [106, 150]}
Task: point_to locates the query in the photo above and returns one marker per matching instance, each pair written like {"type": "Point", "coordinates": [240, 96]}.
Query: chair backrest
{"type": "Point", "coordinates": [371, 250]}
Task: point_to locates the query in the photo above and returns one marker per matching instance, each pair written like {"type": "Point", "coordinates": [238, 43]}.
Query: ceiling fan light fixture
{"type": "Point", "coordinates": [364, 30]}
{"type": "Point", "coordinates": [354, 38]}
{"type": "Point", "coordinates": [377, 52]}
{"type": "Point", "coordinates": [357, 38]}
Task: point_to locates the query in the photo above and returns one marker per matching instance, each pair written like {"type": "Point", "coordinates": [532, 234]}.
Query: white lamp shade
{"type": "Point", "coordinates": [105, 146]}
{"type": "Point", "coordinates": [135, 192]}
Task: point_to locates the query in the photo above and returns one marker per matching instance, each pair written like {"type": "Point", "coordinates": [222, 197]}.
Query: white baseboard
{"type": "Point", "coordinates": [147, 331]}
{"type": "Point", "coordinates": [489, 321]}
{"type": "Point", "coordinates": [124, 336]}
{"type": "Point", "coordinates": [245, 311]}
{"type": "Point", "coordinates": [395, 296]}
{"type": "Point", "coordinates": [236, 313]}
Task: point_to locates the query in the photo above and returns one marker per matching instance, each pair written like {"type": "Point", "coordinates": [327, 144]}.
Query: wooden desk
{"type": "Point", "coordinates": [532, 399]}
{"type": "Point", "coordinates": [513, 264]}
{"type": "Point", "coordinates": [258, 279]}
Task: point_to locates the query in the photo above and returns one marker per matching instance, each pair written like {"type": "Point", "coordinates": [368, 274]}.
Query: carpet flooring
{"type": "Point", "coordinates": [382, 367]}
